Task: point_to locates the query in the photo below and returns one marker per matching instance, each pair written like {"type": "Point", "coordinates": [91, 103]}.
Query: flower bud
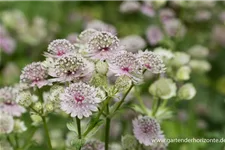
{"type": "Point", "coordinates": [123, 83]}
{"type": "Point", "coordinates": [180, 59]}
{"type": "Point", "coordinates": [101, 67]}
{"type": "Point", "coordinates": [24, 98]}
{"type": "Point", "coordinates": [198, 51]}
{"type": "Point", "coordinates": [129, 142]}
{"type": "Point", "coordinates": [38, 106]}
{"type": "Point", "coordinates": [49, 107]}
{"type": "Point", "coordinates": [187, 91]}
{"type": "Point", "coordinates": [200, 65]}
{"type": "Point", "coordinates": [19, 126]}
{"type": "Point", "coordinates": [99, 80]}
{"type": "Point", "coordinates": [163, 88]}
{"type": "Point", "coordinates": [183, 73]}
{"type": "Point", "coordinates": [36, 119]}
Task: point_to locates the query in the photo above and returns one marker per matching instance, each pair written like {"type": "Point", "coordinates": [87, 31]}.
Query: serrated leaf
{"type": "Point", "coordinates": [72, 127]}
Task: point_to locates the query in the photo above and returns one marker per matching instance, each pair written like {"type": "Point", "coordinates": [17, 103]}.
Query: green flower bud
{"type": "Point", "coordinates": [163, 88]}
{"type": "Point", "coordinates": [129, 142]}
{"type": "Point", "coordinates": [123, 83]}
{"type": "Point", "coordinates": [38, 106]}
{"type": "Point", "coordinates": [180, 59]}
{"type": "Point", "coordinates": [99, 80]}
{"type": "Point", "coordinates": [187, 91]}
{"type": "Point", "coordinates": [24, 98]}
{"type": "Point", "coordinates": [101, 67]}
{"type": "Point", "coordinates": [183, 73]}
{"type": "Point", "coordinates": [36, 119]}
{"type": "Point", "coordinates": [200, 65]}
{"type": "Point", "coordinates": [49, 107]}
{"type": "Point", "coordinates": [19, 126]}
{"type": "Point", "coordinates": [198, 51]}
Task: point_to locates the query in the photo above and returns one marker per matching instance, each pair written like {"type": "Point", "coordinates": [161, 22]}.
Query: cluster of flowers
{"type": "Point", "coordinates": [75, 72]}
{"type": "Point", "coordinates": [31, 34]}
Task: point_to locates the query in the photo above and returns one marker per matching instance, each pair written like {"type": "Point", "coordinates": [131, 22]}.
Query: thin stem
{"type": "Point", "coordinates": [137, 94]}
{"type": "Point", "coordinates": [97, 118]}
{"type": "Point", "coordinates": [10, 142]}
{"type": "Point", "coordinates": [47, 133]}
{"type": "Point", "coordinates": [155, 107]}
{"type": "Point", "coordinates": [78, 127]}
{"type": "Point", "coordinates": [28, 142]}
{"type": "Point", "coordinates": [117, 106]}
{"type": "Point", "coordinates": [107, 129]}
{"type": "Point", "coordinates": [16, 139]}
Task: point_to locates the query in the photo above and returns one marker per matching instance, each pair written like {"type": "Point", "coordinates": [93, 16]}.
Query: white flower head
{"type": "Point", "coordinates": [151, 61]}
{"type": "Point", "coordinates": [125, 63]}
{"type": "Point", "coordinates": [70, 67]}
{"type": "Point", "coordinates": [6, 123]}
{"type": "Point", "coordinates": [35, 74]}
{"type": "Point", "coordinates": [133, 43]}
{"type": "Point", "coordinates": [80, 100]}
{"type": "Point", "coordinates": [102, 46]}
{"type": "Point", "coordinates": [8, 103]}
{"type": "Point", "coordinates": [58, 48]}
{"type": "Point", "coordinates": [146, 130]}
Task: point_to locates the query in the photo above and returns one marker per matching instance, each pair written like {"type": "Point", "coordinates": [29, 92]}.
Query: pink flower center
{"type": "Point", "coordinates": [146, 128]}
{"type": "Point", "coordinates": [104, 49]}
{"type": "Point", "coordinates": [126, 69]}
{"type": "Point", "coordinates": [8, 103]}
{"type": "Point", "coordinates": [60, 53]}
{"type": "Point", "coordinates": [148, 66]}
{"type": "Point", "coordinates": [78, 97]}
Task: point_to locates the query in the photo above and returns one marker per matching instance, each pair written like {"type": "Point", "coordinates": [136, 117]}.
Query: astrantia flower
{"type": "Point", "coordinates": [101, 26]}
{"type": "Point", "coordinates": [133, 43]}
{"type": "Point", "coordinates": [8, 103]}
{"type": "Point", "coordinates": [35, 74]}
{"type": "Point", "coordinates": [148, 10]}
{"type": "Point", "coordinates": [7, 43]}
{"type": "Point", "coordinates": [70, 67]}
{"type": "Point", "coordinates": [154, 35]}
{"type": "Point", "coordinates": [6, 123]}
{"type": "Point", "coordinates": [146, 130]}
{"type": "Point", "coordinates": [80, 99]}
{"type": "Point", "coordinates": [125, 63]}
{"type": "Point", "coordinates": [102, 46]}
{"type": "Point", "coordinates": [58, 48]}
{"type": "Point", "coordinates": [129, 6]}
{"type": "Point", "coordinates": [93, 145]}
{"type": "Point", "coordinates": [166, 14]}
{"type": "Point", "coordinates": [151, 61]}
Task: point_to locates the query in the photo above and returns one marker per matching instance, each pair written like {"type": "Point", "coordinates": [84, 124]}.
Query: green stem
{"type": "Point", "coordinates": [28, 141]}
{"type": "Point", "coordinates": [10, 142]}
{"type": "Point", "coordinates": [78, 127]}
{"type": "Point", "coordinates": [16, 139]}
{"type": "Point", "coordinates": [137, 95]}
{"type": "Point", "coordinates": [97, 118]}
{"type": "Point", "coordinates": [117, 105]}
{"type": "Point", "coordinates": [107, 129]}
{"type": "Point", "coordinates": [155, 106]}
{"type": "Point", "coordinates": [47, 133]}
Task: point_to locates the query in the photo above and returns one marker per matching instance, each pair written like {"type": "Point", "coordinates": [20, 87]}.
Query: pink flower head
{"type": "Point", "coordinates": [70, 67]}
{"type": "Point", "coordinates": [35, 74]}
{"type": "Point", "coordinates": [7, 44]}
{"type": "Point", "coordinates": [166, 14]}
{"type": "Point", "coordinates": [101, 26]}
{"type": "Point", "coordinates": [148, 10]}
{"type": "Point", "coordinates": [146, 130]}
{"type": "Point", "coordinates": [154, 35]}
{"type": "Point", "coordinates": [58, 48]}
{"type": "Point", "coordinates": [93, 145]}
{"type": "Point", "coordinates": [174, 28]}
{"type": "Point", "coordinates": [86, 35]}
{"type": "Point", "coordinates": [80, 100]}
{"type": "Point", "coordinates": [151, 61]}
{"type": "Point", "coordinates": [125, 63]}
{"type": "Point", "coordinates": [8, 103]}
{"type": "Point", "coordinates": [103, 46]}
